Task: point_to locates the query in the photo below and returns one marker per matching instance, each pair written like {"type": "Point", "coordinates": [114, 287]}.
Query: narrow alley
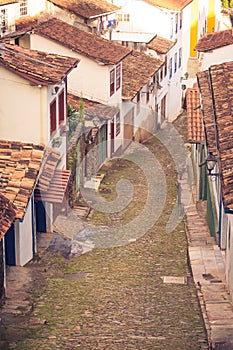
{"type": "Point", "coordinates": [136, 296]}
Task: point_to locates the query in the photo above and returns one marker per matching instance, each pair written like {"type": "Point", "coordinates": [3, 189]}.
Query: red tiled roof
{"type": "Point", "coordinates": [214, 40]}
{"type": "Point", "coordinates": [7, 215]}
{"type": "Point", "coordinates": [57, 187]}
{"type": "Point", "coordinates": [86, 8]}
{"type": "Point", "coordinates": [194, 116]}
{"type": "Point", "coordinates": [137, 69]}
{"type": "Point", "coordinates": [19, 168]}
{"type": "Point", "coordinates": [160, 45]}
{"type": "Point", "coordinates": [35, 66]}
{"type": "Point", "coordinates": [92, 108]}
{"type": "Point", "coordinates": [7, 2]}
{"type": "Point", "coordinates": [204, 83]}
{"type": "Point", "coordinates": [176, 5]}
{"type": "Point", "coordinates": [50, 162]}
{"type": "Point", "coordinates": [88, 44]}
{"type": "Point", "coordinates": [221, 88]}
{"type": "Point", "coordinates": [221, 76]}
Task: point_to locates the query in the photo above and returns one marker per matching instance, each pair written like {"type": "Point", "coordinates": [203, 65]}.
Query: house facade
{"type": "Point", "coordinates": [215, 48]}
{"type": "Point", "coordinates": [216, 109]}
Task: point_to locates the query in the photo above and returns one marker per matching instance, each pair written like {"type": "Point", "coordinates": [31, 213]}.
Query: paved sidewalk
{"type": "Point", "coordinates": [208, 267]}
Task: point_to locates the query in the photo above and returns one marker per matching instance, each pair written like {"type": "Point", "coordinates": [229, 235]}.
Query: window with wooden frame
{"type": "Point", "coordinates": [181, 19]}
{"type": "Point", "coordinates": [112, 82]}
{"type": "Point", "coordinates": [3, 21]}
{"type": "Point", "coordinates": [176, 23]}
{"type": "Point", "coordinates": [53, 117]}
{"type": "Point", "coordinates": [180, 57]}
{"type": "Point", "coordinates": [175, 63]}
{"type": "Point", "coordinates": [61, 106]}
{"type": "Point", "coordinates": [23, 7]}
{"type": "Point", "coordinates": [118, 124]}
{"type": "Point", "coordinates": [165, 67]}
{"type": "Point", "coordinates": [147, 93]}
{"type": "Point", "coordinates": [170, 68]}
{"type": "Point", "coordinates": [161, 73]}
{"type": "Point", "coordinates": [118, 76]}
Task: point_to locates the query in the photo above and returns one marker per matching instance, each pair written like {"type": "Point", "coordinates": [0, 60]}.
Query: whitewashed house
{"type": "Point", "coordinates": [215, 48]}
{"type": "Point", "coordinates": [169, 20]}
{"type": "Point", "coordinates": [139, 94]}
{"type": "Point", "coordinates": [217, 115]}
{"type": "Point", "coordinates": [99, 74]}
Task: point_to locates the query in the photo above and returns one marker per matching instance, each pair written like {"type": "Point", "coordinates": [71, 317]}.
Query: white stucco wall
{"type": "Point", "coordinates": [229, 255]}
{"type": "Point", "coordinates": [217, 56]}
{"type": "Point", "coordinates": [89, 80]}
{"type": "Point", "coordinates": [11, 11]}
{"type": "Point", "coordinates": [23, 109]}
{"type": "Point", "coordinates": [24, 238]}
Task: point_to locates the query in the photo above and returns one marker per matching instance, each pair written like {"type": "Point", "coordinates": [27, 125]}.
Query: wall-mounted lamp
{"type": "Point", "coordinates": [185, 77]}
{"type": "Point", "coordinates": [55, 90]}
{"type": "Point", "coordinates": [210, 162]}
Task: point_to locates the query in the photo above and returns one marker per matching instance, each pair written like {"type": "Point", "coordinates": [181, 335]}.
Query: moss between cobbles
{"type": "Point", "coordinates": [121, 302]}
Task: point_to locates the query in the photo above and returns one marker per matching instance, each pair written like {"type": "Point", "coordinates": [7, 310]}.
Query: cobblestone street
{"type": "Point", "coordinates": [136, 296]}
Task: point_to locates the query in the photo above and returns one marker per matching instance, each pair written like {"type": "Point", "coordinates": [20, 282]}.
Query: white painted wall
{"type": "Point", "coordinates": [217, 56]}
{"type": "Point", "coordinates": [11, 10]}
{"type": "Point", "coordinates": [23, 238]}
{"type": "Point", "coordinates": [229, 254]}
{"type": "Point", "coordinates": [90, 79]}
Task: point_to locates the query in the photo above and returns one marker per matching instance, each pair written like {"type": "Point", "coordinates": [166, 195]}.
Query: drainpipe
{"type": "Point", "coordinates": [220, 223]}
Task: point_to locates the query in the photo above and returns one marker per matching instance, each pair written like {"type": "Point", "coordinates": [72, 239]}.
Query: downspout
{"type": "Point", "coordinates": [220, 223]}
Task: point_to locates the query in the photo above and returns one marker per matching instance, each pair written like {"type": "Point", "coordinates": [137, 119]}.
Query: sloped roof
{"type": "Point", "coordinates": [35, 66]}
{"type": "Point", "coordinates": [88, 44]}
{"type": "Point", "coordinates": [160, 45]}
{"type": "Point", "coordinates": [137, 69]}
{"type": "Point", "coordinates": [221, 76]}
{"type": "Point", "coordinates": [92, 108]}
{"type": "Point", "coordinates": [194, 115]}
{"type": "Point", "coordinates": [7, 2]}
{"type": "Point", "coordinates": [215, 40]}
{"type": "Point", "coordinates": [7, 215]}
{"type": "Point", "coordinates": [204, 83]}
{"type": "Point", "coordinates": [19, 168]}
{"type": "Point", "coordinates": [176, 5]}
{"type": "Point", "coordinates": [50, 162]}
{"type": "Point", "coordinates": [86, 8]}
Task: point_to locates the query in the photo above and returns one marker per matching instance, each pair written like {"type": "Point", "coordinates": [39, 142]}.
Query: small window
{"type": "Point", "coordinates": [23, 7]}
{"type": "Point", "coordinates": [118, 124]}
{"type": "Point", "coordinates": [112, 82]}
{"type": "Point", "coordinates": [123, 17]}
{"type": "Point", "coordinates": [4, 21]}
{"type": "Point", "coordinates": [175, 63]}
{"type": "Point", "coordinates": [53, 117]}
{"type": "Point", "coordinates": [126, 17]}
{"type": "Point", "coordinates": [61, 105]}
{"type": "Point", "coordinates": [181, 19]}
{"type": "Point", "coordinates": [147, 93]}
{"type": "Point", "coordinates": [161, 74]}
{"type": "Point", "coordinates": [118, 76]}
{"type": "Point", "coordinates": [165, 67]}
{"type": "Point", "coordinates": [138, 97]}
{"type": "Point", "coordinates": [171, 29]}
{"type": "Point", "coordinates": [170, 68]}
{"type": "Point", "coordinates": [180, 56]}
{"type": "Point", "coordinates": [176, 25]}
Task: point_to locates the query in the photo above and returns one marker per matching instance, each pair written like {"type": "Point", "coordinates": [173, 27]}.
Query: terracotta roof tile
{"type": "Point", "coordinates": [88, 44]}
{"type": "Point", "coordinates": [7, 2]}
{"type": "Point", "coordinates": [92, 108]}
{"type": "Point", "coordinates": [137, 69]}
{"type": "Point", "coordinates": [176, 5]}
{"type": "Point", "coordinates": [194, 116]}
{"type": "Point", "coordinates": [160, 45]}
{"type": "Point", "coordinates": [7, 215]}
{"type": "Point", "coordinates": [49, 165]}
{"type": "Point", "coordinates": [215, 40]}
{"type": "Point", "coordinates": [35, 66]}
{"type": "Point", "coordinates": [207, 110]}
{"type": "Point", "coordinates": [86, 8]}
{"type": "Point", "coordinates": [19, 168]}
{"type": "Point", "coordinates": [222, 75]}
